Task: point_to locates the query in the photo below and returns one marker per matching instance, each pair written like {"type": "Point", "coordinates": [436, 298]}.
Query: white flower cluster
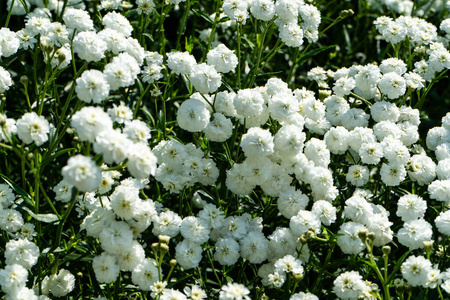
{"type": "Point", "coordinates": [94, 125]}
{"type": "Point", "coordinates": [182, 166]}
{"type": "Point", "coordinates": [295, 19]}
{"type": "Point", "coordinates": [21, 254]}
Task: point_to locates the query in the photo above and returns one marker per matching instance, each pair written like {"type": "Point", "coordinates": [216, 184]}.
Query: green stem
{"type": "Point", "coordinates": [138, 103]}
{"type": "Point", "coordinates": [260, 50]}
{"type": "Point", "coordinates": [182, 25]}
{"type": "Point", "coordinates": [238, 26]}
{"type": "Point", "coordinates": [73, 200]}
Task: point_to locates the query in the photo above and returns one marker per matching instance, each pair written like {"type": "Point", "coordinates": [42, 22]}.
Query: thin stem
{"type": "Point", "coordinates": [238, 26]}
{"type": "Point", "coordinates": [182, 25]}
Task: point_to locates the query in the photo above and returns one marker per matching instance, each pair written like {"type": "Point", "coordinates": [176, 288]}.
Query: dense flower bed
{"type": "Point", "coordinates": [253, 149]}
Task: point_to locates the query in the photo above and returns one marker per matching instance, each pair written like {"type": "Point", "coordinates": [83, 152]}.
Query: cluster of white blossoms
{"type": "Point", "coordinates": [182, 166]}
{"type": "Point", "coordinates": [295, 19]}
{"type": "Point", "coordinates": [21, 254]}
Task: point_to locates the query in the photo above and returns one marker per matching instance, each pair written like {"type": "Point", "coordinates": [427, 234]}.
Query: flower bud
{"type": "Point", "coordinates": [173, 262]}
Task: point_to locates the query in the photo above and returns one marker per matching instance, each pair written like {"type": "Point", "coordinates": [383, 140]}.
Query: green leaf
{"type": "Point", "coordinates": [46, 218]}
{"type": "Point", "coordinates": [203, 15]}
{"type": "Point", "coordinates": [20, 191]}
{"type": "Point", "coordinates": [57, 154]}
{"type": "Point", "coordinates": [314, 52]}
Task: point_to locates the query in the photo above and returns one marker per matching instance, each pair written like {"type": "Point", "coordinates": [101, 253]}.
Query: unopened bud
{"type": "Point", "coordinates": [304, 239]}
{"type": "Point", "coordinates": [371, 236]}
{"type": "Point", "coordinates": [24, 80]}
{"type": "Point", "coordinates": [428, 245]}
{"type": "Point", "coordinates": [173, 262]}
{"type": "Point", "coordinates": [30, 156]}
{"type": "Point", "coordinates": [323, 94]}
{"type": "Point", "coordinates": [164, 239]}
{"type": "Point", "coordinates": [60, 56]}
{"type": "Point", "coordinates": [297, 276]}
{"type": "Point", "coordinates": [163, 248]}
{"type": "Point", "coordinates": [363, 235]}
{"type": "Point", "coordinates": [386, 250]}
{"type": "Point", "coordinates": [155, 246]}
{"type": "Point", "coordinates": [346, 13]}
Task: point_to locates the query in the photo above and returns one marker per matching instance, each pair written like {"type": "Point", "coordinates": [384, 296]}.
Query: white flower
{"type": "Point", "coordinates": [254, 247]}
{"type": "Point", "coordinates": [249, 103]}
{"type": "Point", "coordinates": [303, 296]}
{"type": "Point", "coordinates": [170, 294]}
{"type": "Point", "coordinates": [223, 59]}
{"type": "Point", "coordinates": [205, 78]}
{"type": "Point", "coordinates": [22, 252]}
{"type": "Point", "coordinates": [349, 285]}
{"type": "Point", "coordinates": [414, 233]}
{"type": "Point", "coordinates": [193, 115]}
{"type": "Point", "coordinates": [227, 251]}
{"type": "Point", "coordinates": [287, 10]}
{"type": "Point", "coordinates": [33, 128]}
{"type": "Point", "coordinates": [291, 201]}
{"type": "Point", "coordinates": [371, 153]}
{"type": "Point", "coordinates": [89, 121]}
{"type": "Point", "coordinates": [195, 292]}
{"type": "Point", "coordinates": [234, 291]}
{"type": "Point", "coordinates": [411, 207]}
{"type": "Point", "coordinates": [357, 175]}
{"type": "Point", "coordinates": [337, 140]}
{"type": "Point", "coordinates": [181, 62]}
{"type": "Point", "coordinates": [349, 241]}
{"type": "Point", "coordinates": [137, 131]}
{"type": "Point", "coordinates": [129, 256]}
{"type": "Point", "coordinates": [62, 283]}
{"type": "Point", "coordinates": [125, 202]}
{"type": "Point", "coordinates": [89, 46]}
{"type": "Point", "coordinates": [145, 6]}
{"type": "Point", "coordinates": [167, 223]}
{"type": "Point", "coordinates": [122, 71]}
{"type": "Point", "coordinates": [219, 129]}
{"type": "Point", "coordinates": [283, 106]}
{"type": "Point", "coordinates": [188, 254]}
{"type": "Point", "coordinates": [13, 277]}
{"type": "Point", "coordinates": [291, 34]}
{"type": "Point", "coordinates": [105, 268]}
{"type": "Point", "coordinates": [7, 196]}
{"type": "Point", "coordinates": [117, 22]}
{"type": "Point", "coordinates": [77, 19]}
{"type": "Point", "coordinates": [325, 211]}
{"type": "Point", "coordinates": [392, 174]}
{"type": "Point", "coordinates": [343, 86]}
{"type": "Point", "coordinates": [384, 111]}
{"type": "Point", "coordinates": [316, 150]}
{"type": "Point", "coordinates": [82, 172]}
{"type": "Point", "coordinates": [263, 10]}
{"type": "Point", "coordinates": [415, 270]}
{"type": "Point", "coordinates": [145, 274]}
{"type": "Point", "coordinates": [194, 229]}
{"type": "Point", "coordinates": [442, 222]}
{"type": "Point", "coordinates": [92, 86]}
{"type": "Point", "coordinates": [257, 142]}
{"type": "Point", "coordinates": [393, 64]}
{"type": "Point", "coordinates": [10, 220]}
{"type": "Point", "coordinates": [289, 264]}
{"type": "Point", "coordinates": [5, 80]}
{"type": "Point", "coordinates": [9, 43]}
{"type": "Point", "coordinates": [141, 161]}
{"type": "Point", "coordinates": [392, 85]}
{"type": "Point", "coordinates": [303, 221]}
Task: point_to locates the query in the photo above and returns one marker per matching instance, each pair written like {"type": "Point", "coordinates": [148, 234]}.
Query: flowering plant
{"type": "Point", "coordinates": [224, 149]}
